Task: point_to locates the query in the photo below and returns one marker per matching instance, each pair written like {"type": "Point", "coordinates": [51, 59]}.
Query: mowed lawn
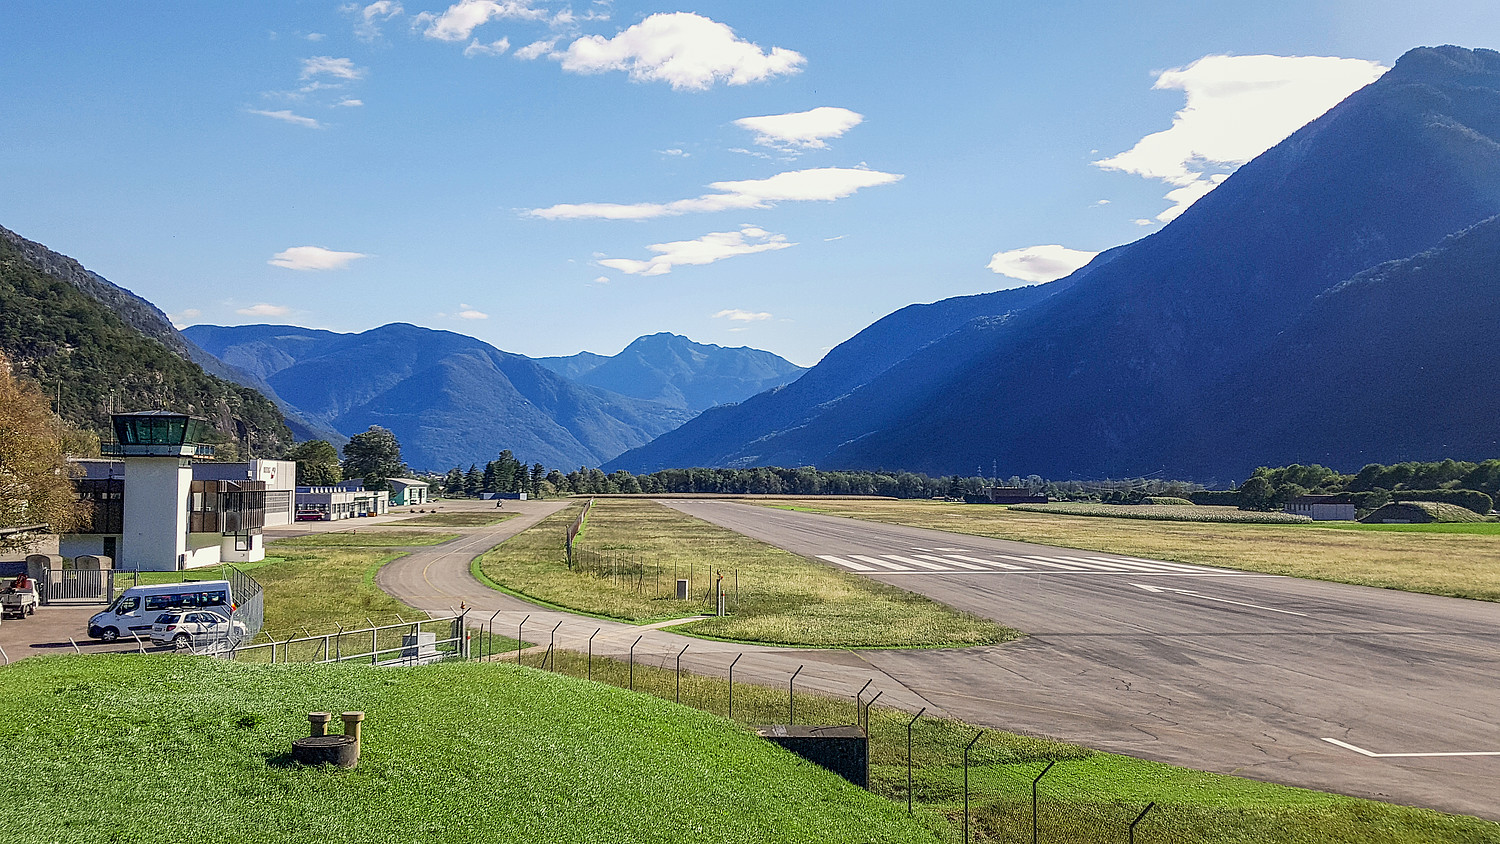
{"type": "Point", "coordinates": [636, 549]}
{"type": "Point", "coordinates": [1436, 561]}
{"type": "Point", "coordinates": [156, 748]}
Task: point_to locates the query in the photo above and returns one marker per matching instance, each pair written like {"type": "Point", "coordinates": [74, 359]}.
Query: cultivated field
{"type": "Point", "coordinates": [1440, 561]}
{"type": "Point", "coordinates": [635, 550]}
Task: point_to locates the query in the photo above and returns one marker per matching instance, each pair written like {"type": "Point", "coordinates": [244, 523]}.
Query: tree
{"type": "Point", "coordinates": [34, 485]}
{"type": "Point", "coordinates": [453, 483]}
{"type": "Point", "coordinates": [317, 463]}
{"type": "Point", "coordinates": [375, 453]}
{"type": "Point", "coordinates": [473, 481]}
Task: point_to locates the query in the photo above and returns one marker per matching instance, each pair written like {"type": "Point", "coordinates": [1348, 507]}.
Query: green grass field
{"type": "Point", "coordinates": [461, 753]}
{"type": "Point", "coordinates": [470, 519]}
{"type": "Point", "coordinates": [637, 549]}
{"type": "Point", "coordinates": [1478, 528]}
{"type": "Point", "coordinates": [1462, 563]}
{"type": "Point", "coordinates": [371, 538]}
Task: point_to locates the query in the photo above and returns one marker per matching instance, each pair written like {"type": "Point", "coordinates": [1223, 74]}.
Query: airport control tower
{"type": "Point", "coordinates": [158, 448]}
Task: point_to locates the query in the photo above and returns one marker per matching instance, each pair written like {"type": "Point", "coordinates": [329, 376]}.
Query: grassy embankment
{"type": "Point", "coordinates": [451, 753]}
{"type": "Point", "coordinates": [781, 599]}
{"type": "Point", "coordinates": [492, 752]}
{"type": "Point", "coordinates": [1455, 560]}
{"type": "Point", "coordinates": [468, 519]}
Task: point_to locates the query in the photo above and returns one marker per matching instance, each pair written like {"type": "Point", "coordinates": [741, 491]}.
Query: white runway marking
{"type": "Point", "coordinates": [921, 564]}
{"type": "Point", "coordinates": [1211, 598]}
{"type": "Point", "coordinates": [878, 562]}
{"type": "Point", "coordinates": [845, 563]}
{"type": "Point", "coordinates": [1373, 755]}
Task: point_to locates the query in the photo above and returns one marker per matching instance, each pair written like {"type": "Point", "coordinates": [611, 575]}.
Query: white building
{"type": "Point", "coordinates": [157, 508]}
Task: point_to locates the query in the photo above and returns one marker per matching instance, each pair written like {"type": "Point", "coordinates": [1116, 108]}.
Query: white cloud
{"type": "Point", "coordinates": [1237, 107]}
{"type": "Point", "coordinates": [264, 309]}
{"type": "Point", "coordinates": [314, 258]}
{"type": "Point", "coordinates": [825, 183]}
{"type": "Point", "coordinates": [286, 116]}
{"type": "Point", "coordinates": [687, 51]}
{"type": "Point", "coordinates": [801, 129]}
{"type": "Point", "coordinates": [494, 48]}
{"type": "Point", "coordinates": [368, 26]}
{"type": "Point", "coordinates": [737, 315]}
{"type": "Point", "coordinates": [714, 246]}
{"type": "Point", "coordinates": [677, 153]}
{"type": "Point", "coordinates": [603, 279]}
{"type": "Point", "coordinates": [460, 20]}
{"type": "Point", "coordinates": [1100, 202]}
{"type": "Point", "coordinates": [468, 312]}
{"type": "Point", "coordinates": [315, 36]}
{"type": "Point", "coordinates": [182, 318]}
{"type": "Point", "coordinates": [330, 66]}
{"type": "Point", "coordinates": [350, 102]}
{"type": "Point", "coordinates": [1039, 263]}
{"type": "Point", "coordinates": [536, 49]}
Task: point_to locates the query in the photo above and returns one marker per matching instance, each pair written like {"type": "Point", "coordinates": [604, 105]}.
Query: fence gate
{"type": "Point", "coordinates": [249, 611]}
{"type": "Point", "coordinates": [84, 586]}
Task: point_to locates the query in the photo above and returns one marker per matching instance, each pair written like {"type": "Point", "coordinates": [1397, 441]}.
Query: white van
{"type": "Point", "coordinates": [137, 608]}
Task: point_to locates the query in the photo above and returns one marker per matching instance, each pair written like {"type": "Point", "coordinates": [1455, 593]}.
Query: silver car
{"type": "Point", "coordinates": [192, 628]}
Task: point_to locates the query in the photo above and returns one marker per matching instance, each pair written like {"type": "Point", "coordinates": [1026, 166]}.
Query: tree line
{"type": "Point", "coordinates": [1467, 484]}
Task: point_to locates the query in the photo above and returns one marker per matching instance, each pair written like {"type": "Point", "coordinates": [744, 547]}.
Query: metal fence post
{"type": "Point", "coordinates": [909, 725]}
{"type": "Point", "coordinates": [731, 685]}
{"type": "Point", "coordinates": [1149, 807]}
{"type": "Point", "coordinates": [632, 660]}
{"type": "Point", "coordinates": [552, 645]}
{"type": "Point", "coordinates": [791, 701]}
{"type": "Point", "coordinates": [966, 783]}
{"type": "Point", "coordinates": [867, 710]}
{"type": "Point", "coordinates": [857, 695]}
{"type": "Point", "coordinates": [679, 671]}
{"type": "Point", "coordinates": [591, 653]}
{"type": "Point", "coordinates": [520, 627]}
{"type": "Point", "coordinates": [1033, 797]}
{"type": "Point", "coordinates": [489, 647]}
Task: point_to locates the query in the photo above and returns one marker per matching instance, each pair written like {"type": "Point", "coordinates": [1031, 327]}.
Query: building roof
{"type": "Point", "coordinates": [407, 482]}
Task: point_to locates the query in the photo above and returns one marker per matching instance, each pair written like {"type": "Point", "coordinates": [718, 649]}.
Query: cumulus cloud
{"type": "Point", "coordinates": [824, 183]}
{"type": "Point", "coordinates": [350, 102]}
{"type": "Point", "coordinates": [1039, 263]}
{"type": "Point", "coordinates": [1237, 107]}
{"type": "Point", "coordinates": [264, 309]}
{"type": "Point", "coordinates": [286, 116]}
{"type": "Point", "coordinates": [494, 48]}
{"type": "Point", "coordinates": [314, 258]}
{"type": "Point", "coordinates": [367, 28]}
{"type": "Point", "coordinates": [737, 315]}
{"type": "Point", "coordinates": [468, 312]}
{"type": "Point", "coordinates": [536, 50]}
{"type": "Point", "coordinates": [329, 66]}
{"type": "Point", "coordinates": [714, 246]}
{"type": "Point", "coordinates": [458, 22]}
{"type": "Point", "coordinates": [801, 129]}
{"type": "Point", "coordinates": [682, 49]}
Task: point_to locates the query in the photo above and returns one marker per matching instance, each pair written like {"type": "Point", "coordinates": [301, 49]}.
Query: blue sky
{"type": "Point", "coordinates": [555, 177]}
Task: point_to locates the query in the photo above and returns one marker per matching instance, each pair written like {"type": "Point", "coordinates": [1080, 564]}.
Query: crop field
{"type": "Point", "coordinates": [1455, 560]}
{"type": "Point", "coordinates": [637, 549]}
{"type": "Point", "coordinates": [1165, 513]}
{"type": "Point", "coordinates": [459, 753]}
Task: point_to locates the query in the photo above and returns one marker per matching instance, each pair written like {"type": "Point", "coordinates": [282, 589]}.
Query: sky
{"type": "Point", "coordinates": [554, 177]}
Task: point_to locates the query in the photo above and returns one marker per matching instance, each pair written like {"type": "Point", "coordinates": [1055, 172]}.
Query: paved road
{"type": "Point", "coordinates": [1209, 668]}
{"type": "Point", "coordinates": [437, 579]}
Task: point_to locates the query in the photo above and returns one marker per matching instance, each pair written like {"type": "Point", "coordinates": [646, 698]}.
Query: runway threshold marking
{"type": "Point", "coordinates": [1191, 593]}
{"type": "Point", "coordinates": [1373, 755]}
{"type": "Point", "coordinates": [839, 561]}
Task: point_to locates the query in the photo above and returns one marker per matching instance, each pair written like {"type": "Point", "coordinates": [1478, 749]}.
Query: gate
{"type": "Point", "coordinates": [249, 611]}
{"type": "Point", "coordinates": [82, 586]}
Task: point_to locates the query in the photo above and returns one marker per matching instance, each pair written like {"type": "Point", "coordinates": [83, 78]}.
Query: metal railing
{"type": "Point", "coordinates": [408, 643]}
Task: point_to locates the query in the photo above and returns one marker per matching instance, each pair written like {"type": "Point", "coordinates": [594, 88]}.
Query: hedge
{"type": "Point", "coordinates": [1468, 498]}
{"type": "Point", "coordinates": [1216, 497]}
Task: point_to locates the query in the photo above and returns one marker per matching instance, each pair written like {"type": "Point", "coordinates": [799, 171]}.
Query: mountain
{"type": "Point", "coordinates": [450, 399]}
{"type": "Point", "coordinates": [1137, 362]}
{"type": "Point", "coordinates": [675, 371]}
{"type": "Point", "coordinates": [101, 348]}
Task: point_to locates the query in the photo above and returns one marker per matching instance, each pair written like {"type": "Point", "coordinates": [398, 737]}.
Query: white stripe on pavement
{"type": "Point", "coordinates": [845, 563]}
{"type": "Point", "coordinates": [878, 562]}
{"type": "Point", "coordinates": [990, 563]}
{"type": "Point", "coordinates": [918, 563]}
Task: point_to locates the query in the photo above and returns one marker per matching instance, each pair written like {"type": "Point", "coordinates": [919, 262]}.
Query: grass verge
{"type": "Point", "coordinates": [459, 519]}
{"type": "Point", "coordinates": [636, 550]}
{"type": "Point", "coordinates": [1440, 562]}
{"type": "Point", "coordinates": [368, 539]}
{"type": "Point", "coordinates": [451, 753]}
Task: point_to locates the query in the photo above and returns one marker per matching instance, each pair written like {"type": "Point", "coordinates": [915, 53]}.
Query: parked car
{"type": "Point", "coordinates": [193, 628]}
{"type": "Point", "coordinates": [137, 607]}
